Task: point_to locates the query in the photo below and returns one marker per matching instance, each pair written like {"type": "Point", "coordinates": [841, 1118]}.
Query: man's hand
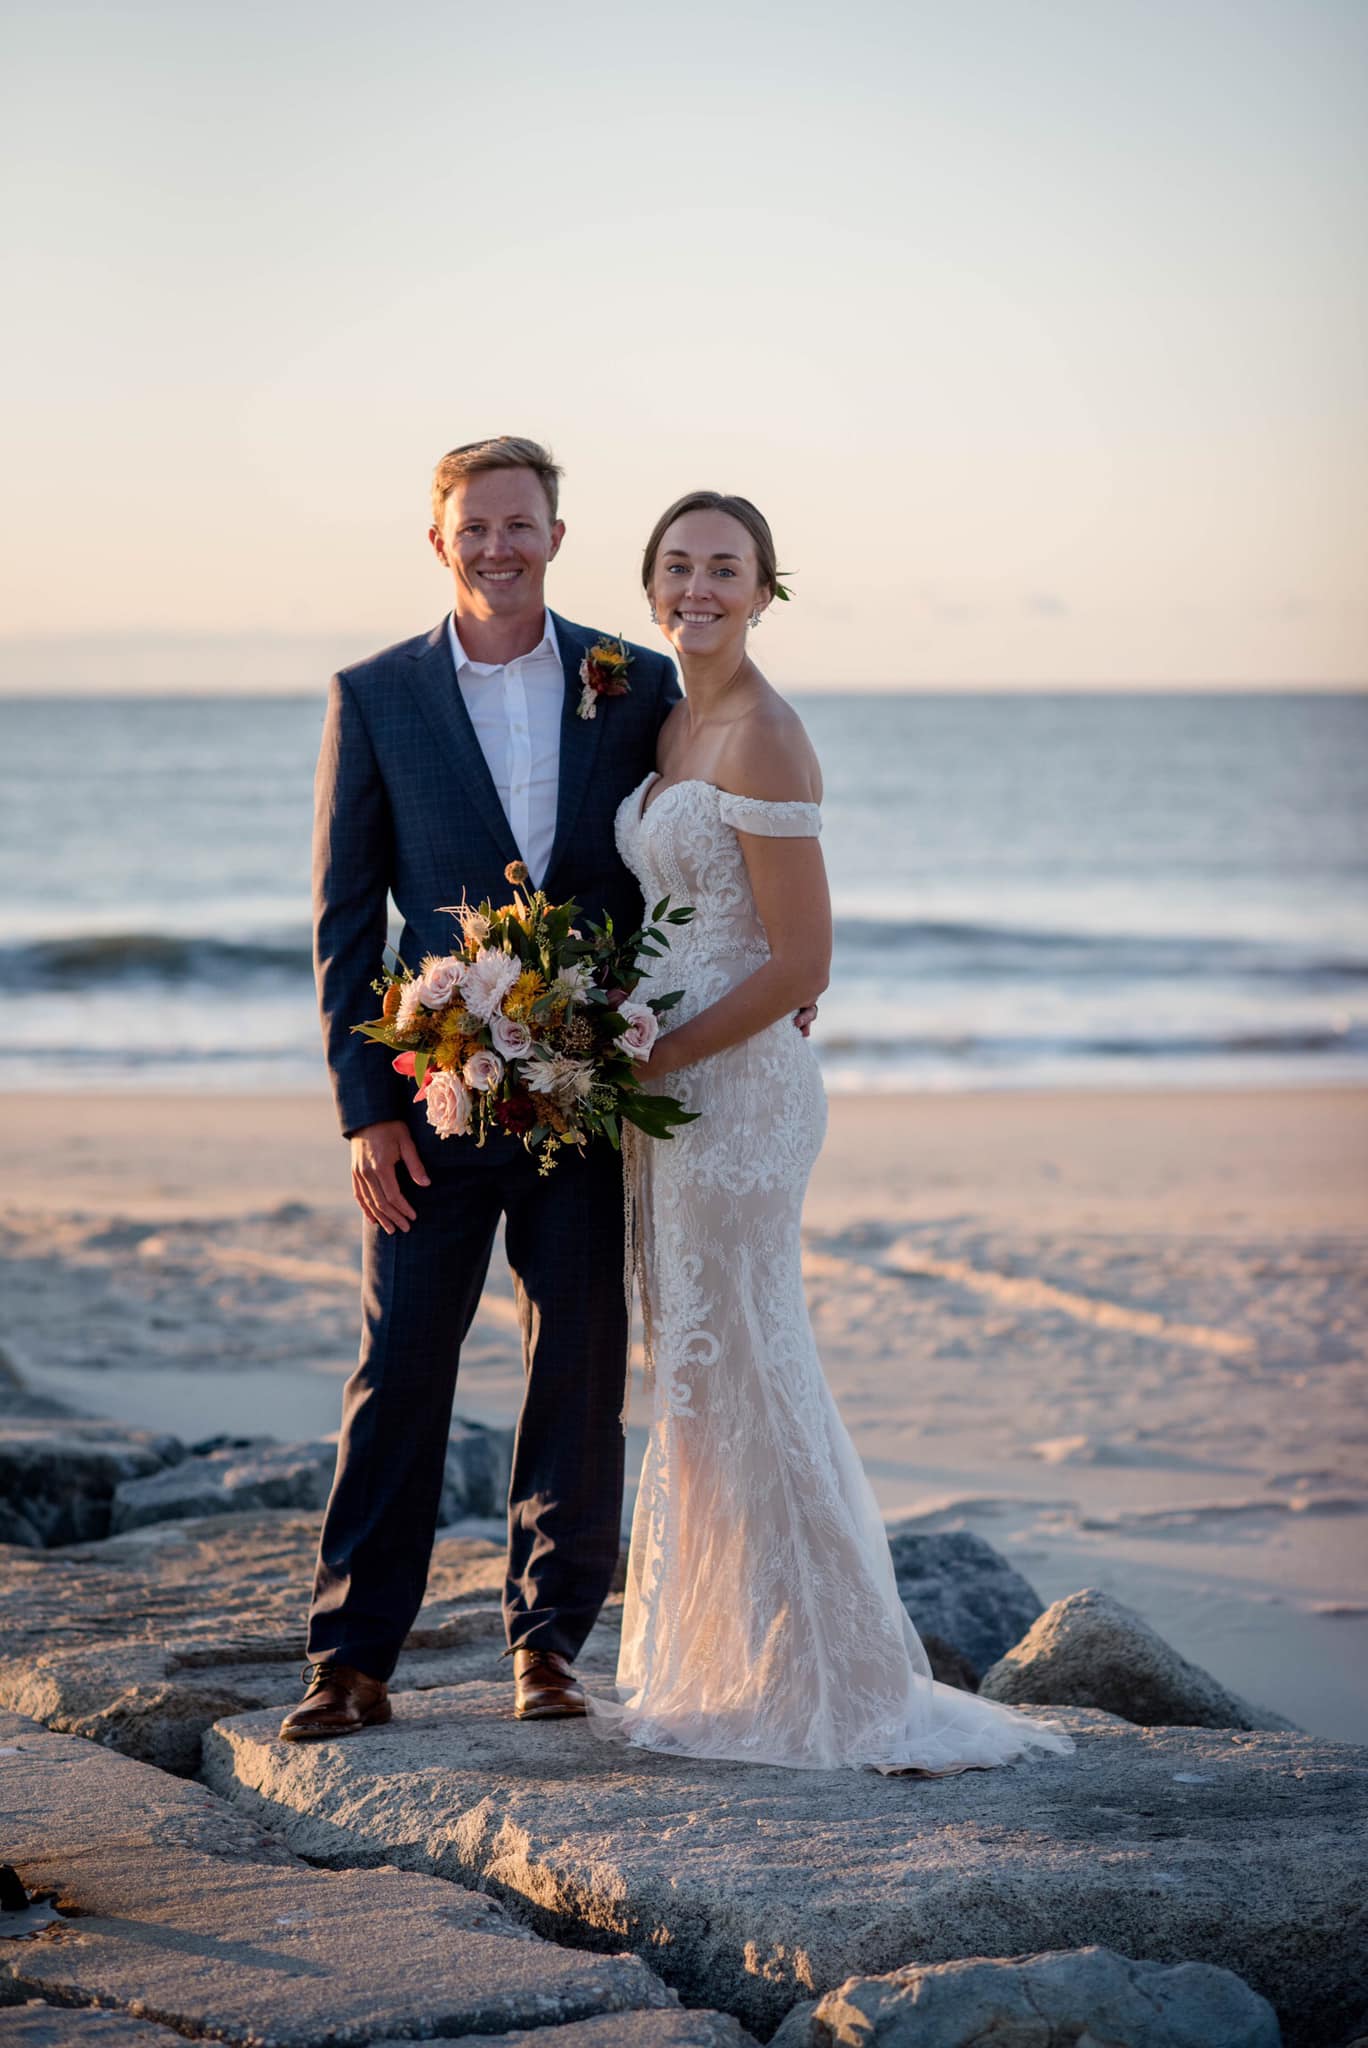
{"type": "Point", "coordinates": [806, 1018]}
{"type": "Point", "coordinates": [376, 1151]}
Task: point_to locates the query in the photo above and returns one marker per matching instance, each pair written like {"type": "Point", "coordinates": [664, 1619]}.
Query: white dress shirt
{"type": "Point", "coordinates": [515, 708]}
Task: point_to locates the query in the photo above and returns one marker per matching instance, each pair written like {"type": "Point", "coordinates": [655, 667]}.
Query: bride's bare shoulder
{"type": "Point", "coordinates": [770, 756]}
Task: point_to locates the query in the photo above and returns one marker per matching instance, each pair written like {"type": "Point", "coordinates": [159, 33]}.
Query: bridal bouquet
{"type": "Point", "coordinates": [529, 1026]}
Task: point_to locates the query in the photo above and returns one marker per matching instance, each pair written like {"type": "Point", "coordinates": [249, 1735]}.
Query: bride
{"type": "Point", "coordinates": [762, 1619]}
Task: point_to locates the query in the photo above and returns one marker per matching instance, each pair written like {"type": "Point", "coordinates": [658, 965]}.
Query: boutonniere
{"type": "Point", "coordinates": [603, 673]}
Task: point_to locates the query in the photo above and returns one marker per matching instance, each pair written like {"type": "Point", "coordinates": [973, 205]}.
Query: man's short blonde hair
{"type": "Point", "coordinates": [505, 451]}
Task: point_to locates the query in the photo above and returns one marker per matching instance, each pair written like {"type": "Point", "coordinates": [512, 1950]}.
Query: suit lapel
{"type": "Point", "coordinates": [579, 738]}
{"type": "Point", "coordinates": [433, 684]}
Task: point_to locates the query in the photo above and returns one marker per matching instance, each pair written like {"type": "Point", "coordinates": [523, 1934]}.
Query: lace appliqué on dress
{"type": "Point", "coordinates": [762, 1620]}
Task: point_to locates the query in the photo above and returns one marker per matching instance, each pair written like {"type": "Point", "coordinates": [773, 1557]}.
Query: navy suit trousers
{"type": "Point", "coordinates": [420, 1291]}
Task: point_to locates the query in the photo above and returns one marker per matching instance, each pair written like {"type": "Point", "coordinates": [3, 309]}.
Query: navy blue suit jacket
{"type": "Point", "coordinates": [404, 804]}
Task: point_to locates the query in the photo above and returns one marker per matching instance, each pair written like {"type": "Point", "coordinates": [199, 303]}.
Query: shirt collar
{"type": "Point", "coordinates": [462, 660]}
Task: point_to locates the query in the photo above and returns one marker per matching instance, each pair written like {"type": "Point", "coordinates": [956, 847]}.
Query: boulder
{"type": "Point", "coordinates": [479, 1462]}
{"type": "Point", "coordinates": [752, 1888]}
{"type": "Point", "coordinates": [255, 1473]}
{"type": "Point", "coordinates": [58, 1476]}
{"type": "Point", "coordinates": [235, 1475]}
{"type": "Point", "coordinates": [179, 1912]}
{"type": "Point", "coordinates": [1090, 1650]}
{"type": "Point", "coordinates": [957, 1587]}
{"type": "Point", "coordinates": [1065, 1995]}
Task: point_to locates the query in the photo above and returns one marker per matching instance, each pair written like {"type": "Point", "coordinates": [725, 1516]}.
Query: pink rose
{"type": "Point", "coordinates": [510, 1035]}
{"type": "Point", "coordinates": [448, 1103]}
{"type": "Point", "coordinates": [484, 1069]}
{"type": "Point", "coordinates": [643, 1029]}
{"type": "Point", "coordinates": [439, 980]}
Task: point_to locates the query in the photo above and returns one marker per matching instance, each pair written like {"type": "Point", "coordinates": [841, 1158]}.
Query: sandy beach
{"type": "Point", "coordinates": [1119, 1335]}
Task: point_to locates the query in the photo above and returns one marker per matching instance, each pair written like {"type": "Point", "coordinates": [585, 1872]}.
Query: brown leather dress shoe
{"type": "Point", "coordinates": [340, 1701]}
{"type": "Point", "coordinates": [544, 1686]}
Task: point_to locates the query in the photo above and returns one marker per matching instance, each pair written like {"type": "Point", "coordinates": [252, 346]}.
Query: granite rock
{"type": "Point", "coordinates": [258, 1473]}
{"type": "Point", "coordinates": [180, 1912]}
{"type": "Point", "coordinates": [752, 1889]}
{"type": "Point", "coordinates": [58, 1475]}
{"type": "Point", "coordinates": [1090, 1650]}
{"type": "Point", "coordinates": [239, 1474]}
{"type": "Point", "coordinates": [1083, 1995]}
{"type": "Point", "coordinates": [955, 1586]}
{"type": "Point", "coordinates": [479, 1463]}
{"type": "Point", "coordinates": [648, 2029]}
{"type": "Point", "coordinates": [36, 2024]}
{"type": "Point", "coordinates": [144, 1639]}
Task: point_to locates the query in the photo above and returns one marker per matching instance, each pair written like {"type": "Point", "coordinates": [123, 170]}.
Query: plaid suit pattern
{"type": "Point", "coordinates": [404, 805]}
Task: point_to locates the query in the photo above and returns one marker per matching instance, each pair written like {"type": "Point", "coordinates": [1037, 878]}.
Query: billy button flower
{"type": "Point", "coordinates": [516, 873]}
{"type": "Point", "coordinates": [603, 673]}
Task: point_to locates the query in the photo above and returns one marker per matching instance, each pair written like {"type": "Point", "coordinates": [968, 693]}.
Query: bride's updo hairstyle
{"type": "Point", "coordinates": [741, 509]}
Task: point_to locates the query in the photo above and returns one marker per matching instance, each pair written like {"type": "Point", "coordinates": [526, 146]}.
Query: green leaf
{"type": "Point", "coordinates": [421, 1062]}
{"type": "Point", "coordinates": [660, 909]}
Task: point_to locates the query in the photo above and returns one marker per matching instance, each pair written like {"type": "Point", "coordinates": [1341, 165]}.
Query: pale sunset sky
{"type": "Point", "coordinates": [1039, 328]}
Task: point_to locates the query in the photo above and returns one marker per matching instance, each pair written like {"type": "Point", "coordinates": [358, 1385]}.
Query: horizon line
{"type": "Point", "coordinates": [995, 686]}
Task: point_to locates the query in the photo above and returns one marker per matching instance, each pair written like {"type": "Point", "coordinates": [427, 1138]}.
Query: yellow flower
{"type": "Point", "coordinates": [523, 994]}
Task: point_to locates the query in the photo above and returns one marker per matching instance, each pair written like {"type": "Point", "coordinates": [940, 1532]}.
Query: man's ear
{"type": "Point", "coordinates": [557, 536]}
{"type": "Point", "coordinates": [438, 544]}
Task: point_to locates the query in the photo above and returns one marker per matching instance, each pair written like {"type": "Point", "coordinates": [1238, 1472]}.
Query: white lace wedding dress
{"type": "Point", "coordinates": [762, 1618]}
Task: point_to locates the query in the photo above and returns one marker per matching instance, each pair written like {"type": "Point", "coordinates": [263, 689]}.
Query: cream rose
{"type": "Point", "coordinates": [448, 1104]}
{"type": "Point", "coordinates": [484, 1069]}
{"type": "Point", "coordinates": [439, 980]}
{"type": "Point", "coordinates": [510, 1035]}
{"type": "Point", "coordinates": [643, 1029]}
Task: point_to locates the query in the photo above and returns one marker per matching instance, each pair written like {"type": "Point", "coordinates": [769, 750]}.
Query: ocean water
{"type": "Point", "coordinates": [1035, 889]}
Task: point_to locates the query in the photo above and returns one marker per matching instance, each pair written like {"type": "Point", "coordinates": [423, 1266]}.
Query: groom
{"type": "Point", "coordinates": [444, 759]}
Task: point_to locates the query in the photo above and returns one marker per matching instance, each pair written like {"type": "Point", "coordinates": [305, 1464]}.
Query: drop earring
{"type": "Point", "coordinates": [756, 616]}
{"type": "Point", "coordinates": [652, 610]}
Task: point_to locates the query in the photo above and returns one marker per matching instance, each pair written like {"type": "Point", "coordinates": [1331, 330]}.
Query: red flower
{"type": "Point", "coordinates": [604, 682]}
{"type": "Point", "coordinates": [517, 1114]}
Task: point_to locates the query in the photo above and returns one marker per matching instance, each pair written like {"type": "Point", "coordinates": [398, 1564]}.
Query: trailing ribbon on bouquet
{"type": "Point", "coordinates": [636, 1213]}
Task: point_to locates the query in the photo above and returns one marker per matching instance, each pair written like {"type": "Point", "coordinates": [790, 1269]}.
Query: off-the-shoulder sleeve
{"type": "Point", "coordinates": [771, 820]}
